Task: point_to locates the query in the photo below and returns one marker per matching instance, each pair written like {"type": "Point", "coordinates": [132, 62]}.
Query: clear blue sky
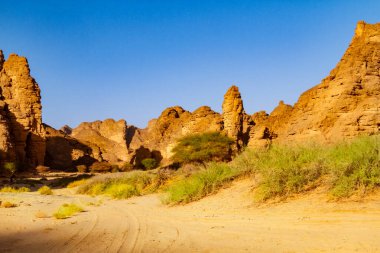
{"type": "Point", "coordinates": [132, 59]}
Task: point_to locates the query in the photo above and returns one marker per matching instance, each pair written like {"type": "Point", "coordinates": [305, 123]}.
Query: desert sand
{"type": "Point", "coordinates": [226, 222]}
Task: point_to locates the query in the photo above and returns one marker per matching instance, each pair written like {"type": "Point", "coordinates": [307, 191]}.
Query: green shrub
{"type": "Point", "coordinates": [134, 183]}
{"type": "Point", "coordinates": [200, 184]}
{"type": "Point", "coordinates": [201, 148]}
{"type": "Point", "coordinates": [67, 210]}
{"type": "Point", "coordinates": [149, 163]}
{"type": "Point", "coordinates": [355, 166]}
{"type": "Point", "coordinates": [45, 190]}
{"type": "Point", "coordinates": [11, 167]}
{"type": "Point", "coordinates": [121, 191]}
{"type": "Point", "coordinates": [285, 170]}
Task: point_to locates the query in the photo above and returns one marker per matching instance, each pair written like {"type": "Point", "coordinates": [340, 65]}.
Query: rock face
{"type": "Point", "coordinates": [107, 139]}
{"type": "Point", "coordinates": [233, 115]}
{"type": "Point", "coordinates": [162, 133]}
{"type": "Point", "coordinates": [21, 112]}
{"type": "Point", "coordinates": [7, 152]}
{"type": "Point", "coordinates": [64, 152]}
{"type": "Point", "coordinates": [344, 105]}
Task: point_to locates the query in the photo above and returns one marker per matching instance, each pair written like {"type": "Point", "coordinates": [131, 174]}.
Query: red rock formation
{"type": "Point", "coordinates": [107, 139]}
{"type": "Point", "coordinates": [22, 108]}
{"type": "Point", "coordinates": [344, 105]}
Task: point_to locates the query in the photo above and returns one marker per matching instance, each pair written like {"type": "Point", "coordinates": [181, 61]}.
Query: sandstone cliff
{"type": "Point", "coordinates": [344, 105]}
{"type": "Point", "coordinates": [64, 152]}
{"type": "Point", "coordinates": [107, 139]}
{"type": "Point", "coordinates": [21, 124]}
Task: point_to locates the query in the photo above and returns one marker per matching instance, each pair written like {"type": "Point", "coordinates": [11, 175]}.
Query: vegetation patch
{"type": "Point", "coordinates": [149, 163]}
{"type": "Point", "coordinates": [77, 183]}
{"type": "Point", "coordinates": [14, 189]}
{"type": "Point", "coordinates": [67, 210]}
{"type": "Point", "coordinates": [45, 190]}
{"type": "Point", "coordinates": [201, 148]}
{"type": "Point", "coordinates": [200, 184]}
{"type": "Point", "coordinates": [354, 167]}
{"type": "Point", "coordinates": [346, 168]}
{"type": "Point", "coordinates": [122, 186]}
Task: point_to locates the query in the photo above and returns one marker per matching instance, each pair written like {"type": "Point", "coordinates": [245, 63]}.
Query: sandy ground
{"type": "Point", "coordinates": [225, 222]}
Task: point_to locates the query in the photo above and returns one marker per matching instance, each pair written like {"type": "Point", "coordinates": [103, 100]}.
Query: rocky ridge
{"type": "Point", "coordinates": [344, 105]}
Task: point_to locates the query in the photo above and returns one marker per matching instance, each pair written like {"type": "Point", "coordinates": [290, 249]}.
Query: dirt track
{"type": "Point", "coordinates": [225, 222]}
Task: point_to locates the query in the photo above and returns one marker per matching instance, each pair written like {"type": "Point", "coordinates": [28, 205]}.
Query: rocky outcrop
{"type": "Point", "coordinates": [7, 152]}
{"type": "Point", "coordinates": [233, 115]}
{"type": "Point", "coordinates": [64, 152]}
{"type": "Point", "coordinates": [162, 133]}
{"type": "Point", "coordinates": [344, 105]}
{"type": "Point", "coordinates": [107, 139]}
{"type": "Point", "coordinates": [21, 112]}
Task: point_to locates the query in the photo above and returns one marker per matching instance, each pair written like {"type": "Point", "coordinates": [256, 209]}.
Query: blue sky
{"type": "Point", "coordinates": [132, 59]}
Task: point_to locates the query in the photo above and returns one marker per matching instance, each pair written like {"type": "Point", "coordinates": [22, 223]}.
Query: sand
{"type": "Point", "coordinates": [226, 222]}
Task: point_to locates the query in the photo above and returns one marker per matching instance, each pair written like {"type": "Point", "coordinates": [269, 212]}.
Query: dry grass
{"type": "Point", "coordinates": [7, 204]}
{"type": "Point", "coordinates": [45, 190]}
{"type": "Point", "coordinates": [77, 183]}
{"type": "Point", "coordinates": [67, 210]}
{"type": "Point", "coordinates": [10, 189]}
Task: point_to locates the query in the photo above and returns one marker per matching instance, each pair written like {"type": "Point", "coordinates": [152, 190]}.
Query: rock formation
{"type": "Point", "coordinates": [162, 133]}
{"type": "Point", "coordinates": [21, 112]}
{"type": "Point", "coordinates": [107, 139]}
{"type": "Point", "coordinates": [344, 105]}
{"type": "Point", "coordinates": [64, 152]}
{"type": "Point", "coordinates": [233, 114]}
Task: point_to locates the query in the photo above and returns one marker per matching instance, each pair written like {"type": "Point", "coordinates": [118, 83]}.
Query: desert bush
{"type": "Point", "coordinates": [77, 183]}
{"type": "Point", "coordinates": [7, 204]}
{"type": "Point", "coordinates": [149, 163]}
{"type": "Point", "coordinates": [82, 168]}
{"type": "Point", "coordinates": [201, 148]}
{"type": "Point", "coordinates": [130, 184]}
{"type": "Point", "coordinates": [42, 169]}
{"type": "Point", "coordinates": [45, 190]}
{"type": "Point", "coordinates": [121, 191]}
{"type": "Point", "coordinates": [285, 170]}
{"type": "Point", "coordinates": [354, 166]}
{"type": "Point", "coordinates": [200, 184]}
{"type": "Point", "coordinates": [14, 189]}
{"type": "Point", "coordinates": [67, 210]}
{"type": "Point", "coordinates": [10, 167]}
{"type": "Point", "coordinates": [101, 167]}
